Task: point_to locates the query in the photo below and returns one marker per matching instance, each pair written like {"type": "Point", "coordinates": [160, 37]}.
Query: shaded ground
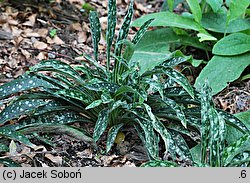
{"type": "Point", "coordinates": [27, 36]}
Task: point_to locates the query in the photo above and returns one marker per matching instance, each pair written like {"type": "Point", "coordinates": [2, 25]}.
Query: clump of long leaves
{"type": "Point", "coordinates": [159, 103]}
{"type": "Point", "coordinates": [214, 150]}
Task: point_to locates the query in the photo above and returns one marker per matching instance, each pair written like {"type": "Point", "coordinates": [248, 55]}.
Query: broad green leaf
{"type": "Point", "coordinates": [234, 44]}
{"type": "Point", "coordinates": [237, 8]}
{"type": "Point", "coordinates": [26, 82]}
{"type": "Point", "coordinates": [110, 29]}
{"type": "Point", "coordinates": [159, 40]}
{"type": "Point", "coordinates": [20, 107]}
{"type": "Point", "coordinates": [238, 147]}
{"type": "Point", "coordinates": [95, 31]}
{"type": "Point", "coordinates": [159, 163]}
{"type": "Point", "coordinates": [195, 9]}
{"type": "Point", "coordinates": [101, 124]}
{"type": "Point", "coordinates": [112, 135]}
{"type": "Point", "coordinates": [215, 4]}
{"type": "Point", "coordinates": [9, 133]}
{"type": "Point", "coordinates": [168, 19]}
{"type": "Point", "coordinates": [123, 32]}
{"type": "Point", "coordinates": [148, 60]}
{"type": "Point", "coordinates": [221, 70]}
{"type": "Point", "coordinates": [217, 22]}
{"type": "Point", "coordinates": [171, 20]}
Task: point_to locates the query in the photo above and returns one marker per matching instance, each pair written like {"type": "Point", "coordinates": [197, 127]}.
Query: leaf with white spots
{"type": "Point", "coordinates": [150, 138]}
{"type": "Point", "coordinates": [111, 28]}
{"type": "Point", "coordinates": [94, 104]}
{"type": "Point", "coordinates": [58, 67]}
{"type": "Point", "coordinates": [141, 31]}
{"type": "Point", "coordinates": [26, 82]}
{"type": "Point", "coordinates": [178, 110]}
{"type": "Point", "coordinates": [95, 31]}
{"type": "Point", "coordinates": [180, 79]}
{"type": "Point", "coordinates": [20, 107]}
{"type": "Point", "coordinates": [112, 135]}
{"type": "Point", "coordinates": [56, 117]}
{"type": "Point", "coordinates": [9, 133]}
{"type": "Point", "coordinates": [101, 124]}
{"type": "Point", "coordinates": [75, 94]}
{"type": "Point", "coordinates": [234, 121]}
{"type": "Point", "coordinates": [123, 32]}
{"type": "Point", "coordinates": [159, 163]}
{"type": "Point", "coordinates": [110, 87]}
{"type": "Point", "coordinates": [241, 145]}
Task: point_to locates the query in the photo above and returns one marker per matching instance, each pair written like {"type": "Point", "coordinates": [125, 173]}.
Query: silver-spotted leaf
{"type": "Point", "coordinates": [101, 124]}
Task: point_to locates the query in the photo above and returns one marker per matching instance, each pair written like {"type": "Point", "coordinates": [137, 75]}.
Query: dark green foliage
{"type": "Point", "coordinates": [157, 101]}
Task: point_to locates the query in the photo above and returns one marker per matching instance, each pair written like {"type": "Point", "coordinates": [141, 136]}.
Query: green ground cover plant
{"type": "Point", "coordinates": [136, 88]}
{"type": "Point", "coordinates": [224, 25]}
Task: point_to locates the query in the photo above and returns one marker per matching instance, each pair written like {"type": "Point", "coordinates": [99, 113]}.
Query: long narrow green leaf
{"type": "Point", "coordinates": [26, 82]}
{"type": "Point", "coordinates": [112, 135]}
{"type": "Point", "coordinates": [150, 138]}
{"type": "Point", "coordinates": [95, 27]}
{"type": "Point", "coordinates": [9, 163]}
{"type": "Point", "coordinates": [101, 124]}
{"type": "Point", "coordinates": [238, 147]}
{"type": "Point", "coordinates": [110, 87]}
{"type": "Point", "coordinates": [234, 121]}
{"type": "Point", "coordinates": [159, 163]}
{"type": "Point", "coordinates": [60, 129]}
{"type": "Point", "coordinates": [75, 94]}
{"type": "Point", "coordinates": [195, 9]}
{"type": "Point", "coordinates": [123, 32]}
{"type": "Point", "coordinates": [180, 79]}
{"type": "Point", "coordinates": [141, 31]}
{"type": "Point", "coordinates": [56, 117]}
{"type": "Point", "coordinates": [9, 133]}
{"type": "Point", "coordinates": [111, 29]}
{"type": "Point", "coordinates": [179, 112]}
{"type": "Point", "coordinates": [59, 67]}
{"type": "Point", "coordinates": [19, 108]}
{"type": "Point", "coordinates": [181, 143]}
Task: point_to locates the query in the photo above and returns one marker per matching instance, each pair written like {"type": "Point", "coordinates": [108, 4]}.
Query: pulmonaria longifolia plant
{"type": "Point", "coordinates": [158, 102]}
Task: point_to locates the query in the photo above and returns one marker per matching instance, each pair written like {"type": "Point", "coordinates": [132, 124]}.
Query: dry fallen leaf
{"type": "Point", "coordinates": [31, 21]}
{"type": "Point", "coordinates": [76, 27]}
{"type": "Point", "coordinates": [57, 40]}
{"type": "Point", "coordinates": [40, 45]}
{"type": "Point", "coordinates": [25, 53]}
{"type": "Point", "coordinates": [82, 37]}
{"type": "Point", "coordinates": [41, 56]}
{"type": "Point", "coordinates": [54, 159]}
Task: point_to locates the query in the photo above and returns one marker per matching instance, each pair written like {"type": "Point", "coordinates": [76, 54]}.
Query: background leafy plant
{"type": "Point", "coordinates": [210, 21]}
